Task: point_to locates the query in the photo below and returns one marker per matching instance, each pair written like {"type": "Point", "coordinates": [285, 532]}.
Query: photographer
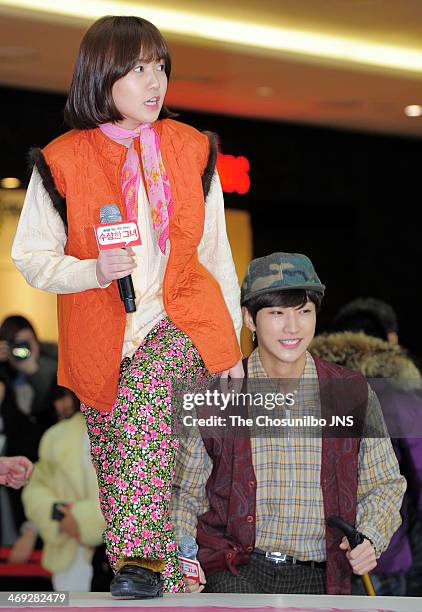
{"type": "Point", "coordinates": [27, 376]}
{"type": "Point", "coordinates": [31, 373]}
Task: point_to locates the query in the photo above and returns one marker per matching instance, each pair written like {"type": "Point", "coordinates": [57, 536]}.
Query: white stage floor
{"type": "Point", "coordinates": [202, 602]}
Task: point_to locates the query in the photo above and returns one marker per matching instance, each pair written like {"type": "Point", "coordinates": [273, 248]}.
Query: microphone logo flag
{"type": "Point", "coordinates": [117, 235]}
{"type": "Point", "coordinates": [189, 568]}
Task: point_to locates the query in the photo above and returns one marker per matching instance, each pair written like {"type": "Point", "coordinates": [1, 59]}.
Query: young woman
{"type": "Point", "coordinates": [125, 150]}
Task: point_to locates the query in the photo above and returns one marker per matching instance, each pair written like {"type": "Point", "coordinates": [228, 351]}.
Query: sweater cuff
{"type": "Point", "coordinates": [89, 520]}
{"type": "Point", "coordinates": [93, 275]}
{"type": "Point", "coordinates": [28, 525]}
{"type": "Point", "coordinates": [374, 537]}
{"type": "Point", "coordinates": [98, 283]}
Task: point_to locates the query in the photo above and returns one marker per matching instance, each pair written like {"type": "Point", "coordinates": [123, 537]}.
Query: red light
{"type": "Point", "coordinates": [233, 172]}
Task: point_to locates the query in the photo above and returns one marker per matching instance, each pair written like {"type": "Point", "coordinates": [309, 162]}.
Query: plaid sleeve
{"type": "Point", "coordinates": [189, 498]}
{"type": "Point", "coordinates": [380, 485]}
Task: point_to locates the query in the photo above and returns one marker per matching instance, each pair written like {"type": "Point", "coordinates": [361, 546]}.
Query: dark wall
{"type": "Point", "coordinates": [346, 199]}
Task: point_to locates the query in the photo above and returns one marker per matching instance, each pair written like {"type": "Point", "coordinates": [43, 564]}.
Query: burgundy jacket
{"type": "Point", "coordinates": [226, 532]}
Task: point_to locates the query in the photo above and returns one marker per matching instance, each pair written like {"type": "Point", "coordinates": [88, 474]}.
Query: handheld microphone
{"type": "Point", "coordinates": [187, 551]}
{"type": "Point", "coordinates": [111, 214]}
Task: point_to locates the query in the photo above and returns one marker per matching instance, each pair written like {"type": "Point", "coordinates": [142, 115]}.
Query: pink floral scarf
{"type": "Point", "coordinates": [157, 182]}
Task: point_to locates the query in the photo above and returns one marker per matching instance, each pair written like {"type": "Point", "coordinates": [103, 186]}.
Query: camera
{"type": "Point", "coordinates": [56, 514]}
{"type": "Point", "coordinates": [20, 350]}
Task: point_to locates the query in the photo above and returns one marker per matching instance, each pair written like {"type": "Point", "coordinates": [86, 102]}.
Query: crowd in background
{"type": "Point", "coordinates": [58, 510]}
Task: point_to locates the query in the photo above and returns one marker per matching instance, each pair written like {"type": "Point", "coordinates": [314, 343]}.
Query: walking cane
{"type": "Point", "coordinates": [355, 538]}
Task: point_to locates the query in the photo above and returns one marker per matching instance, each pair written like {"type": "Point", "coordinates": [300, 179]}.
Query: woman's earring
{"type": "Point", "coordinates": [254, 336]}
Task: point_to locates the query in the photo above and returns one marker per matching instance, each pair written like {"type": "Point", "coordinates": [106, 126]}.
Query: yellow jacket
{"type": "Point", "coordinates": [60, 476]}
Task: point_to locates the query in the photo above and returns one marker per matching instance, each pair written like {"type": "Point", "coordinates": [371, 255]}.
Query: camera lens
{"type": "Point", "coordinates": [20, 350]}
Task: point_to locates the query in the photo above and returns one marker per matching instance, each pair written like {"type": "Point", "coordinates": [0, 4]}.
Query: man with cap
{"type": "Point", "coordinates": [257, 504]}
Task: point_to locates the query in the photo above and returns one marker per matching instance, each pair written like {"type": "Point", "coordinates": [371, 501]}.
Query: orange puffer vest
{"type": "Point", "coordinates": [86, 167]}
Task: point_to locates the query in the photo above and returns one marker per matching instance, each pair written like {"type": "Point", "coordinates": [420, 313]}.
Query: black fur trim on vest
{"type": "Point", "coordinates": [212, 161]}
{"type": "Point", "coordinates": [36, 158]}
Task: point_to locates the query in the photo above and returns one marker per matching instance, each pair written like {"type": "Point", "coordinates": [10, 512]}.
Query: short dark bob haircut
{"type": "Point", "coordinates": [284, 298]}
{"type": "Point", "coordinates": [109, 50]}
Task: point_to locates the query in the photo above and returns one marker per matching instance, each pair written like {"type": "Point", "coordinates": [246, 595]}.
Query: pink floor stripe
{"type": "Point", "coordinates": [139, 607]}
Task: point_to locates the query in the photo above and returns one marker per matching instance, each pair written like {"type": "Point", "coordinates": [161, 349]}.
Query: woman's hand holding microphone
{"type": "Point", "coordinates": [113, 264]}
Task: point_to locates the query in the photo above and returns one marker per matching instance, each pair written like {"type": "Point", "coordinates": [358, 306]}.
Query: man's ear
{"type": "Point", "coordinates": [247, 319]}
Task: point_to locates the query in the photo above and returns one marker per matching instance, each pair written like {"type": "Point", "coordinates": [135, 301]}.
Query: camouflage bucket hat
{"type": "Point", "coordinates": [280, 271]}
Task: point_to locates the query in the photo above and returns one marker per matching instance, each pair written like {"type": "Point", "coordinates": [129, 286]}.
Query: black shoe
{"type": "Point", "coordinates": [134, 582]}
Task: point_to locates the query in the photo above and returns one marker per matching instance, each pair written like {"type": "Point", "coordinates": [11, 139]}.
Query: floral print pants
{"type": "Point", "coordinates": [133, 450]}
